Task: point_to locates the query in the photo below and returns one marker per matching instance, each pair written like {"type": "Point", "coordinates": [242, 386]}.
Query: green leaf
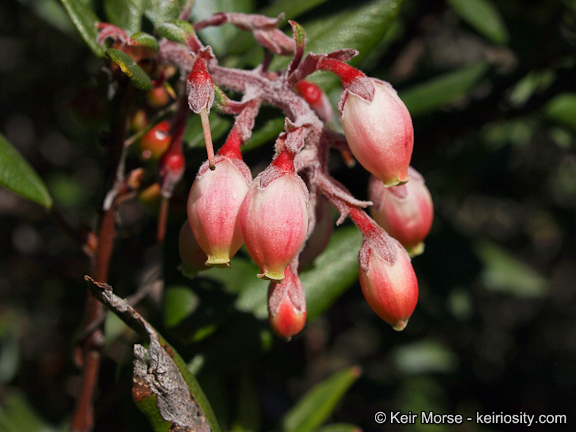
{"type": "Point", "coordinates": [334, 271]}
{"type": "Point", "coordinates": [360, 28]}
{"type": "Point", "coordinates": [505, 273]}
{"type": "Point", "coordinates": [85, 22]}
{"type": "Point", "coordinates": [17, 175]}
{"type": "Point", "coordinates": [160, 11]}
{"type": "Point", "coordinates": [139, 78]}
{"type": "Point", "coordinates": [317, 405]}
{"type": "Point", "coordinates": [562, 110]}
{"type": "Point", "coordinates": [220, 37]}
{"type": "Point", "coordinates": [179, 303]}
{"type": "Point", "coordinates": [442, 90]}
{"type": "Point", "coordinates": [194, 136]}
{"type": "Point", "coordinates": [145, 39]}
{"type": "Point", "coordinates": [426, 356]}
{"type": "Point", "coordinates": [176, 30]}
{"type": "Point", "coordinates": [484, 17]}
{"type": "Point", "coordinates": [126, 14]}
{"type": "Point", "coordinates": [17, 415]}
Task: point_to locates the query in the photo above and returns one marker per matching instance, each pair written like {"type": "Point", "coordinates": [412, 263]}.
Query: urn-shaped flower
{"type": "Point", "coordinates": [388, 280]}
{"type": "Point", "coordinates": [274, 217]}
{"type": "Point", "coordinates": [287, 305]}
{"type": "Point", "coordinates": [405, 211]}
{"type": "Point", "coordinates": [213, 204]}
{"type": "Point", "coordinates": [379, 132]}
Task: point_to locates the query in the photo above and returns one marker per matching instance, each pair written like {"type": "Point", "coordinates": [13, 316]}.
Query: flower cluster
{"type": "Point", "coordinates": [284, 207]}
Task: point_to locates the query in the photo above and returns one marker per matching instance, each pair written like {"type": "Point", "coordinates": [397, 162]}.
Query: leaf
{"type": "Point", "coordinates": [442, 90]}
{"type": "Point", "coordinates": [505, 273]}
{"type": "Point", "coordinates": [17, 415]}
{"type": "Point", "coordinates": [160, 11]}
{"type": "Point", "coordinates": [484, 17]}
{"type": "Point", "coordinates": [315, 407]}
{"type": "Point", "coordinates": [85, 22]}
{"type": "Point", "coordinates": [360, 28]}
{"type": "Point", "coordinates": [145, 39]}
{"type": "Point", "coordinates": [126, 14]}
{"type": "Point", "coordinates": [334, 271]}
{"type": "Point", "coordinates": [179, 303]}
{"type": "Point", "coordinates": [562, 110]}
{"type": "Point", "coordinates": [163, 387]}
{"type": "Point", "coordinates": [176, 30]}
{"type": "Point", "coordinates": [194, 136]}
{"type": "Point", "coordinates": [139, 78]}
{"type": "Point", "coordinates": [426, 356]}
{"type": "Point", "coordinates": [19, 177]}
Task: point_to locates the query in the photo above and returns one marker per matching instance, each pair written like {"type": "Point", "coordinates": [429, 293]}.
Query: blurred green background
{"type": "Point", "coordinates": [492, 91]}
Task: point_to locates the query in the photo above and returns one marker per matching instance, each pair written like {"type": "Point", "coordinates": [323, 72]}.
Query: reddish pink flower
{"type": "Point", "coordinates": [287, 305]}
{"type": "Point", "coordinates": [316, 98]}
{"type": "Point", "coordinates": [213, 204]}
{"type": "Point", "coordinates": [405, 211]}
{"type": "Point", "coordinates": [274, 217]}
{"type": "Point", "coordinates": [379, 133]}
{"type": "Point", "coordinates": [388, 281]}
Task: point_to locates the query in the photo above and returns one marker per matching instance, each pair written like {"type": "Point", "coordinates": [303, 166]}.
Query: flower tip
{"type": "Point", "coordinates": [288, 321]}
{"type": "Point", "coordinates": [219, 263]}
{"type": "Point", "coordinates": [396, 181]}
{"type": "Point", "coordinates": [416, 250]}
{"type": "Point", "coordinates": [272, 276]}
{"type": "Point", "coordinates": [400, 325]}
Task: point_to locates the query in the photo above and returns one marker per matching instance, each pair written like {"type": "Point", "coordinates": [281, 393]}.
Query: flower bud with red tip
{"type": "Point", "coordinates": [200, 87]}
{"type": "Point", "coordinates": [317, 100]}
{"type": "Point", "coordinates": [405, 211]}
{"type": "Point", "coordinates": [386, 274]}
{"type": "Point", "coordinates": [274, 217]}
{"type": "Point", "coordinates": [287, 305]}
{"type": "Point", "coordinates": [379, 132]}
{"type": "Point", "coordinates": [213, 204]}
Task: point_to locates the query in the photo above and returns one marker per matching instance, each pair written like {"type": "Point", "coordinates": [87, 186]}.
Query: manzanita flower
{"type": "Point", "coordinates": [405, 211]}
{"type": "Point", "coordinates": [386, 274]}
{"type": "Point", "coordinates": [287, 305]}
{"type": "Point", "coordinates": [213, 204]}
{"type": "Point", "coordinates": [274, 217]}
{"type": "Point", "coordinates": [379, 132]}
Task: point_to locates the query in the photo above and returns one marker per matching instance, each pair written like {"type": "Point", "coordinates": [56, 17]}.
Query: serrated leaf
{"type": "Point", "coordinates": [484, 17]}
{"type": "Point", "coordinates": [130, 68]}
{"type": "Point", "coordinates": [317, 405]}
{"type": "Point", "coordinates": [334, 271]}
{"type": "Point", "coordinates": [442, 90]}
{"type": "Point", "coordinates": [126, 14]}
{"type": "Point", "coordinates": [562, 110]}
{"type": "Point", "coordinates": [85, 22]}
{"type": "Point", "coordinates": [17, 175]}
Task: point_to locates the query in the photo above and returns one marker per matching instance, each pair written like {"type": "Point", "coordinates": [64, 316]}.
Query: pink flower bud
{"type": "Point", "coordinates": [192, 256]}
{"type": "Point", "coordinates": [200, 87]}
{"type": "Point", "coordinates": [274, 217]}
{"type": "Point", "coordinates": [405, 211]}
{"type": "Point", "coordinates": [287, 305]}
{"type": "Point", "coordinates": [388, 281]}
{"type": "Point", "coordinates": [213, 204]}
{"type": "Point", "coordinates": [379, 133]}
